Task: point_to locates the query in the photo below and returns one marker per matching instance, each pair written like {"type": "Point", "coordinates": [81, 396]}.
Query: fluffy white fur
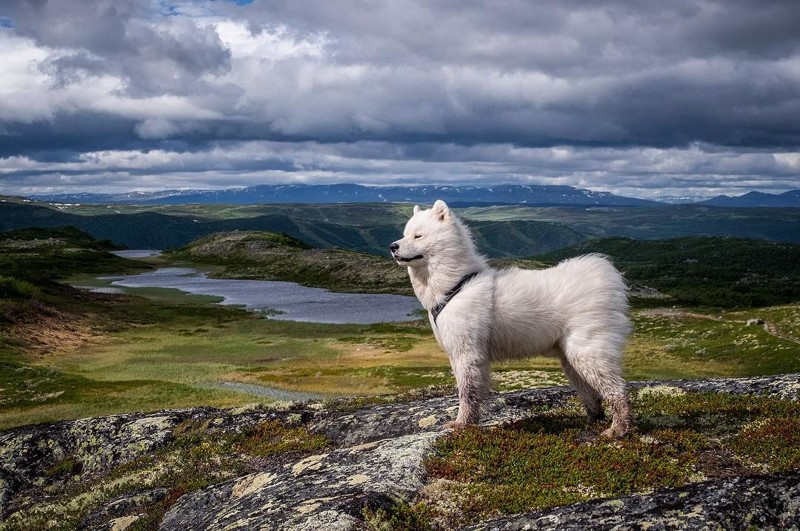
{"type": "Point", "coordinates": [576, 311]}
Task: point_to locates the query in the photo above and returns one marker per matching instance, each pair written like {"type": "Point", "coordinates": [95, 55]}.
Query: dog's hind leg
{"type": "Point", "coordinates": [603, 374]}
{"type": "Point", "coordinates": [590, 398]}
{"type": "Point", "coordinates": [473, 380]}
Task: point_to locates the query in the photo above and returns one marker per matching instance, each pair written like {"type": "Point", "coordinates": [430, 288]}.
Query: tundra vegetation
{"type": "Point", "coordinates": [67, 353]}
{"type": "Point", "coordinates": [550, 459]}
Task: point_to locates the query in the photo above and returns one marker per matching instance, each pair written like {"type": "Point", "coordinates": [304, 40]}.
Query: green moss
{"type": "Point", "coordinates": [402, 516]}
{"type": "Point", "coordinates": [68, 466]}
{"type": "Point", "coordinates": [354, 403]}
{"type": "Point", "coordinates": [714, 414]}
{"type": "Point", "coordinates": [274, 437]}
{"type": "Point", "coordinates": [151, 520]}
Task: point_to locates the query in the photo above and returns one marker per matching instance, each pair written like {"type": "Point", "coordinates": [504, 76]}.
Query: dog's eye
{"type": "Point", "coordinates": [417, 236]}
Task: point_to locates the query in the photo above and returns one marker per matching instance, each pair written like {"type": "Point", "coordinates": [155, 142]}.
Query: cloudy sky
{"type": "Point", "coordinates": [646, 99]}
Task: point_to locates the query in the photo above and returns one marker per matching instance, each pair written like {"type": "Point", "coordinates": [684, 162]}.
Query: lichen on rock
{"type": "Point", "coordinates": [107, 472]}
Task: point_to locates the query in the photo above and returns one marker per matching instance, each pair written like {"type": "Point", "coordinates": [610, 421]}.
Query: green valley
{"type": "Point", "coordinates": [69, 353]}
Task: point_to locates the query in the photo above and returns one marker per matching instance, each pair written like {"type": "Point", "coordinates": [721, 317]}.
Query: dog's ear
{"type": "Point", "coordinates": [416, 209]}
{"type": "Point", "coordinates": [440, 210]}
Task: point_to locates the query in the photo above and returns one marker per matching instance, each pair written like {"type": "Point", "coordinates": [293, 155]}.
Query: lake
{"type": "Point", "coordinates": [280, 300]}
{"type": "Point", "coordinates": [137, 253]}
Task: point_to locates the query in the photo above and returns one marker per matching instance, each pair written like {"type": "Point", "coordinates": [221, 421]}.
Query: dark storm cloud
{"type": "Point", "coordinates": [637, 73]}
{"type": "Point", "coordinates": [153, 55]}
{"type": "Point", "coordinates": [481, 90]}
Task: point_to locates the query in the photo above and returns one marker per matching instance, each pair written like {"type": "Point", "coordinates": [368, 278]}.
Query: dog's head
{"type": "Point", "coordinates": [427, 232]}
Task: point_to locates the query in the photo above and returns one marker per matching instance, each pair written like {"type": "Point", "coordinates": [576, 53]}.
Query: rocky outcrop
{"type": "Point", "coordinates": [375, 460]}
{"type": "Point", "coordinates": [765, 502]}
{"type": "Point", "coordinates": [47, 455]}
{"type": "Point", "coordinates": [322, 491]}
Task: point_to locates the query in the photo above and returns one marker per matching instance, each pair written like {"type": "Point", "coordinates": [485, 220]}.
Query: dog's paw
{"type": "Point", "coordinates": [612, 433]}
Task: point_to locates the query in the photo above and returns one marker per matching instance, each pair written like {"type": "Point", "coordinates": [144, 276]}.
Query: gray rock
{"type": "Point", "coordinates": [122, 506]}
{"type": "Point", "coordinates": [321, 491]}
{"type": "Point", "coordinates": [391, 420]}
{"type": "Point", "coordinates": [785, 386]}
{"type": "Point", "coordinates": [763, 502]}
{"type": "Point", "coordinates": [29, 454]}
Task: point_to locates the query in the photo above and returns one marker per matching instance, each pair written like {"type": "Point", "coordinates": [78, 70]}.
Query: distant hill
{"type": "Point", "coordinates": [68, 237]}
{"type": "Point", "coordinates": [150, 230]}
{"type": "Point", "coordinates": [715, 272]}
{"type": "Point", "coordinates": [270, 256]}
{"type": "Point", "coordinates": [756, 199]}
{"type": "Point", "coordinates": [42, 255]}
{"type": "Point", "coordinates": [355, 193]}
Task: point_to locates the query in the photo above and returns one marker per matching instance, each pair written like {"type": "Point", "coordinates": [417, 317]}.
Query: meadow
{"type": "Point", "coordinates": [69, 353]}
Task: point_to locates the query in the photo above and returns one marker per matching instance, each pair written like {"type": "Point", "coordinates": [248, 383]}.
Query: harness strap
{"type": "Point", "coordinates": [436, 310]}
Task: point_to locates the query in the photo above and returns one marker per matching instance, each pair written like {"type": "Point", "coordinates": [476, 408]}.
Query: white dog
{"type": "Point", "coordinates": [576, 311]}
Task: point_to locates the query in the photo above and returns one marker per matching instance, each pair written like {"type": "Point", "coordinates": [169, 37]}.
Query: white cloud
{"type": "Point", "coordinates": [641, 98]}
{"type": "Point", "coordinates": [788, 160]}
{"type": "Point", "coordinates": [22, 86]}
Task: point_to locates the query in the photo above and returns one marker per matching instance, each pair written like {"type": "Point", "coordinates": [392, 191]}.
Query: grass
{"type": "Point", "coordinates": [169, 352]}
{"type": "Point", "coordinates": [135, 353]}
{"type": "Point", "coordinates": [13, 288]}
{"type": "Point", "coordinates": [552, 459]}
{"type": "Point", "coordinates": [162, 360]}
{"type": "Point", "coordinates": [191, 349]}
{"type": "Point", "coordinates": [672, 344]}
{"type": "Point", "coordinates": [33, 394]}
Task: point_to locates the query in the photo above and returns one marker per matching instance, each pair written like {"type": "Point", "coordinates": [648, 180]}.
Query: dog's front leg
{"type": "Point", "coordinates": [471, 370]}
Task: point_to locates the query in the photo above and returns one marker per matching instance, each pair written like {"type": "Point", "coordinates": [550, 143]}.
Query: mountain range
{"type": "Point", "coordinates": [534, 195]}
{"type": "Point", "coordinates": [756, 199]}
{"type": "Point", "coordinates": [356, 193]}
{"type": "Point", "coordinates": [499, 231]}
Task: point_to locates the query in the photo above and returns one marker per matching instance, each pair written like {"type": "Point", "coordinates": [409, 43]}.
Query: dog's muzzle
{"type": "Point", "coordinates": [394, 248]}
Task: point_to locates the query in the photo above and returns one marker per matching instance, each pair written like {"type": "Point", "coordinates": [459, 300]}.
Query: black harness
{"type": "Point", "coordinates": [436, 310]}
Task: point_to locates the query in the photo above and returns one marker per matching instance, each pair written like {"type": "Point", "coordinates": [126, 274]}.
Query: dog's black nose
{"type": "Point", "coordinates": [393, 247]}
